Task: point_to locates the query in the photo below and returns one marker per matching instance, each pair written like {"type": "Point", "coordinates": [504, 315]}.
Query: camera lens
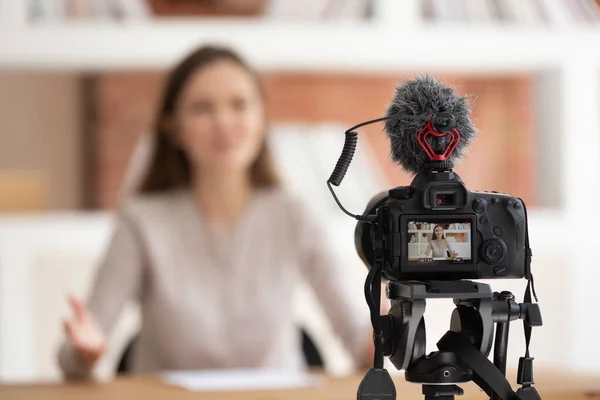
{"type": "Point", "coordinates": [446, 199]}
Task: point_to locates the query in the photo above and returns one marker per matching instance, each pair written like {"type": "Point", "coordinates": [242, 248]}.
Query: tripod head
{"type": "Point", "coordinates": [403, 329]}
{"type": "Point", "coordinates": [463, 351]}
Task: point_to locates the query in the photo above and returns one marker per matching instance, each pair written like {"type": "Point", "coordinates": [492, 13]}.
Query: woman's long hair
{"type": "Point", "coordinates": [433, 237]}
{"type": "Point", "coordinates": [170, 167]}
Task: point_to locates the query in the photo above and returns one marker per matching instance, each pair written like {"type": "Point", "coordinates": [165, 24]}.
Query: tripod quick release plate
{"type": "Point", "coordinates": [438, 290]}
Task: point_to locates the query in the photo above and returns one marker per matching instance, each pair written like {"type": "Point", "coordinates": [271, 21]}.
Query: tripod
{"type": "Point", "coordinates": [477, 311]}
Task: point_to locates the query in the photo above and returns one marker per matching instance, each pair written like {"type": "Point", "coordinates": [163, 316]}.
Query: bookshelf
{"type": "Point", "coordinates": [404, 41]}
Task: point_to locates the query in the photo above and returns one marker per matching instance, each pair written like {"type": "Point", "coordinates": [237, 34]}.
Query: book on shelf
{"type": "Point", "coordinates": [49, 10]}
{"type": "Point", "coordinates": [458, 226]}
{"type": "Point", "coordinates": [59, 10]}
{"type": "Point", "coordinates": [478, 10]}
{"type": "Point", "coordinates": [559, 13]}
{"type": "Point", "coordinates": [591, 9]}
{"type": "Point", "coordinates": [306, 154]}
{"type": "Point", "coordinates": [78, 9]}
{"type": "Point", "coordinates": [412, 227]}
{"type": "Point", "coordinates": [319, 9]}
{"type": "Point", "coordinates": [134, 9]}
{"type": "Point", "coordinates": [306, 10]}
{"type": "Point", "coordinates": [102, 10]}
{"type": "Point", "coordinates": [506, 11]}
{"type": "Point", "coordinates": [526, 11]}
{"type": "Point", "coordinates": [555, 12]}
{"type": "Point", "coordinates": [353, 9]}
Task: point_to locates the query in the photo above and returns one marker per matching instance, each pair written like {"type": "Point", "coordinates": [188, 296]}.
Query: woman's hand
{"type": "Point", "coordinates": [84, 333]}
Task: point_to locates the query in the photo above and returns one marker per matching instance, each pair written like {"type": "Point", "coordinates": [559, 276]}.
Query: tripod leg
{"type": "Point", "coordinates": [501, 346]}
{"type": "Point", "coordinates": [500, 349]}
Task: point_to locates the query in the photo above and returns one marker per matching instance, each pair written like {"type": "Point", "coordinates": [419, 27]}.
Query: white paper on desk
{"type": "Point", "coordinates": [239, 379]}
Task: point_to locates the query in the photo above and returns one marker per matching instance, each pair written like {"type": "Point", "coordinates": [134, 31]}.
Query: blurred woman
{"type": "Point", "coordinates": [439, 245]}
{"type": "Point", "coordinates": [212, 246]}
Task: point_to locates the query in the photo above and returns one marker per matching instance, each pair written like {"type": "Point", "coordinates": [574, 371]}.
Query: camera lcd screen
{"type": "Point", "coordinates": [438, 242]}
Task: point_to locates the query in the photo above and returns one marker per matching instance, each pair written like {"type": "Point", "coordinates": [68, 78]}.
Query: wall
{"type": "Point", "coordinates": [503, 158]}
{"type": "Point", "coordinates": [39, 138]}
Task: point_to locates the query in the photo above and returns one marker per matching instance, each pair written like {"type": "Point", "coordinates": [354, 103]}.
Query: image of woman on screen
{"type": "Point", "coordinates": [439, 245]}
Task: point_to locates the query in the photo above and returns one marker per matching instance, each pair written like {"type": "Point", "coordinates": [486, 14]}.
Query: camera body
{"type": "Point", "coordinates": [436, 229]}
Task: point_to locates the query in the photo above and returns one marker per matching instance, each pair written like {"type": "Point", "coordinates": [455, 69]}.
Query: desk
{"type": "Point", "coordinates": [552, 386]}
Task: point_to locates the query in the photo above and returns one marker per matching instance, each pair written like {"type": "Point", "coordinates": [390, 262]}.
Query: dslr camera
{"type": "Point", "coordinates": [429, 240]}
{"type": "Point", "coordinates": [436, 229]}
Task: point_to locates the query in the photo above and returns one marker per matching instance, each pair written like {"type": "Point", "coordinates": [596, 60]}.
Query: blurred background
{"type": "Point", "coordinates": [80, 80]}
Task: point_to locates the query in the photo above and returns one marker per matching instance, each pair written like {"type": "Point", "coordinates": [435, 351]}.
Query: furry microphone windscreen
{"type": "Point", "coordinates": [425, 95]}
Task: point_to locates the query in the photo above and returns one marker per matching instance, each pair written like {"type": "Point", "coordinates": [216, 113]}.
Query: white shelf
{"type": "Point", "coordinates": [297, 46]}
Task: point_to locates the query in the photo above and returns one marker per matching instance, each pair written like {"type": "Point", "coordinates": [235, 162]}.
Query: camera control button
{"type": "Point", "coordinates": [479, 205]}
{"type": "Point", "coordinates": [493, 251]}
{"type": "Point", "coordinates": [401, 193]}
{"type": "Point", "coordinates": [483, 220]}
{"type": "Point", "coordinates": [495, 200]}
{"type": "Point", "coordinates": [509, 202]}
{"type": "Point", "coordinates": [517, 205]}
{"type": "Point", "coordinates": [497, 231]}
{"type": "Point", "coordinates": [499, 271]}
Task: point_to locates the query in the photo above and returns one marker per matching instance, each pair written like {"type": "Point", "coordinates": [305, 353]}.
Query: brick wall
{"type": "Point", "coordinates": [124, 106]}
{"type": "Point", "coordinates": [502, 159]}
